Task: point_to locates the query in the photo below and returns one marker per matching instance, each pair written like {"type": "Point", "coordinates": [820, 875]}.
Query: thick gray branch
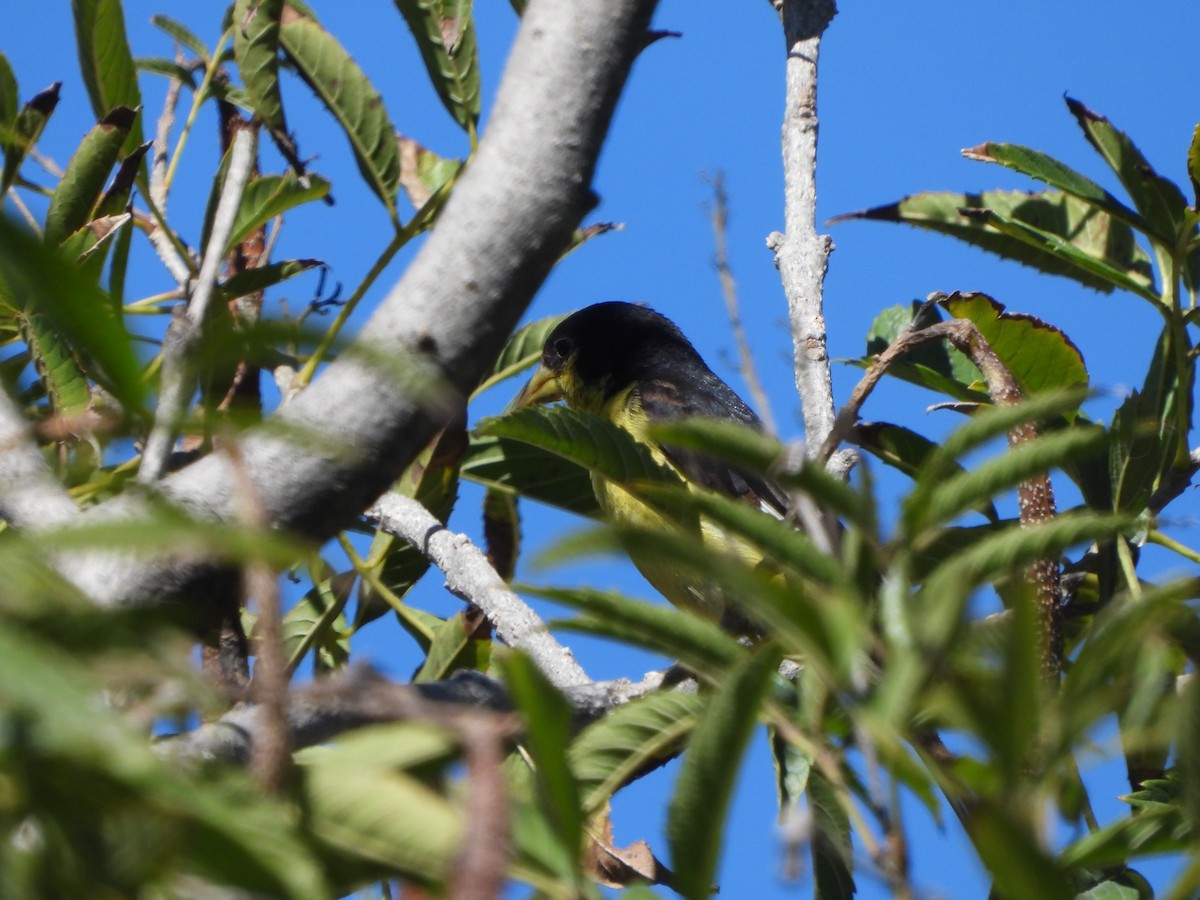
{"type": "Point", "coordinates": [30, 495]}
{"type": "Point", "coordinates": [320, 711]}
{"type": "Point", "coordinates": [336, 447]}
{"type": "Point", "coordinates": [470, 576]}
{"type": "Point", "coordinates": [802, 255]}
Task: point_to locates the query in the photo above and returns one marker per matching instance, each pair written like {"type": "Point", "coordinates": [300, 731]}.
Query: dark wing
{"type": "Point", "coordinates": [690, 394]}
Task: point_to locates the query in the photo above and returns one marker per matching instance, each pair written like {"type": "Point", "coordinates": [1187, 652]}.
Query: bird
{"type": "Point", "coordinates": [632, 366]}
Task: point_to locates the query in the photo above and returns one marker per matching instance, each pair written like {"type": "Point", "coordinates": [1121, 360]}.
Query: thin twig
{"type": "Point", "coordinates": [157, 199]}
{"type": "Point", "coordinates": [720, 221]}
{"type": "Point", "coordinates": [269, 687]}
{"type": "Point", "coordinates": [470, 577]}
{"type": "Point", "coordinates": [178, 381]}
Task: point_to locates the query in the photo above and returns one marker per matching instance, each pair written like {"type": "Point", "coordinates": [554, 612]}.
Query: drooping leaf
{"type": "Point", "coordinates": [697, 812]}
{"type": "Point", "coordinates": [935, 366]}
{"type": "Point", "coordinates": [78, 192]}
{"type": "Point", "coordinates": [28, 126]}
{"type": "Point", "coordinates": [317, 622]}
{"type": "Point", "coordinates": [832, 851]}
{"type": "Point", "coordinates": [586, 440]}
{"type": "Point", "coordinates": [252, 281]}
{"type": "Point", "coordinates": [74, 305]}
{"type": "Point", "coordinates": [181, 33]}
{"type": "Point", "coordinates": [1157, 199]}
{"type": "Point", "coordinates": [364, 797]}
{"type": "Point", "coordinates": [265, 197]}
{"type": "Point", "coordinates": [349, 95]}
{"type": "Point", "coordinates": [1052, 231]}
{"type": "Point", "coordinates": [59, 370]}
{"type": "Point", "coordinates": [106, 63]}
{"type": "Point", "coordinates": [256, 50]}
{"type": "Point", "coordinates": [463, 641]}
{"type": "Point", "coordinates": [1194, 164]}
{"type": "Point", "coordinates": [9, 104]}
{"type": "Point", "coordinates": [1056, 174]}
{"type": "Point", "coordinates": [1038, 355]}
{"type": "Point", "coordinates": [697, 643]}
{"type": "Point", "coordinates": [445, 35]}
{"type": "Point", "coordinates": [547, 716]}
{"type": "Point", "coordinates": [630, 740]}
{"type": "Point", "coordinates": [515, 467]}
{"type": "Point", "coordinates": [422, 172]}
{"type": "Point", "coordinates": [904, 450]}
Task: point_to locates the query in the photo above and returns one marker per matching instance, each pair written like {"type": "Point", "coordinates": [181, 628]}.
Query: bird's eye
{"type": "Point", "coordinates": [563, 347]}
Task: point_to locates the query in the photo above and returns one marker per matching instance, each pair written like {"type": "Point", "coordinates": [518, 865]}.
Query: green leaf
{"type": "Point", "coordinates": [256, 50]}
{"type": "Point", "coordinates": [361, 798]}
{"type": "Point", "coordinates": [9, 104]}
{"type": "Point", "coordinates": [28, 127]}
{"type": "Point", "coordinates": [763, 455]}
{"type": "Point", "coordinates": [457, 645]}
{"type": "Point", "coordinates": [349, 95]}
{"type": "Point", "coordinates": [167, 68]}
{"type": "Point", "coordinates": [1066, 246]}
{"type": "Point", "coordinates": [1038, 355]}
{"type": "Point", "coordinates": [445, 34]}
{"type": "Point", "coordinates": [58, 368]}
{"type": "Point", "coordinates": [1019, 865]}
{"type": "Point", "coordinates": [832, 851]}
{"type": "Point", "coordinates": [1056, 174]}
{"type": "Point", "coordinates": [586, 440]}
{"type": "Point", "coordinates": [423, 173]}
{"type": "Point", "coordinates": [515, 467]}
{"type": "Point", "coordinates": [696, 643]}
{"type": "Point", "coordinates": [1156, 198]}
{"type": "Point", "coordinates": [1193, 161]}
{"type": "Point", "coordinates": [523, 350]}
{"type": "Point", "coordinates": [700, 803]}
{"type": "Point", "coordinates": [547, 715]}
{"type": "Point", "coordinates": [265, 197]}
{"type": "Point", "coordinates": [1054, 232]}
{"type": "Point", "coordinates": [83, 181]}
{"type": "Point", "coordinates": [630, 740]}
{"type": "Point", "coordinates": [75, 305]}
{"type": "Point", "coordinates": [251, 281]}
{"type": "Point", "coordinates": [181, 34]}
{"type": "Point", "coordinates": [106, 63]}
{"type": "Point", "coordinates": [316, 621]}
{"type": "Point", "coordinates": [906, 451]}
{"type": "Point", "coordinates": [936, 366]}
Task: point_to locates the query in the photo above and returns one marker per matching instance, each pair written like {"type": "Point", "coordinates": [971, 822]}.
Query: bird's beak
{"type": "Point", "coordinates": [543, 387]}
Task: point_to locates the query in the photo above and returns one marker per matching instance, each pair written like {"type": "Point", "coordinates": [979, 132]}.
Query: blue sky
{"type": "Point", "coordinates": [904, 86]}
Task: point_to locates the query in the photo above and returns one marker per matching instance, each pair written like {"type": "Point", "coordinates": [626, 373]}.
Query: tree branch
{"type": "Point", "coordinates": [507, 222]}
{"type": "Point", "coordinates": [30, 495]}
{"type": "Point", "coordinates": [185, 332]}
{"type": "Point", "coordinates": [802, 255]}
{"type": "Point", "coordinates": [471, 577]}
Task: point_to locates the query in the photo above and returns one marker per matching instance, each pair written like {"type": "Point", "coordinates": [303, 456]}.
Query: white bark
{"type": "Point", "coordinates": [336, 447]}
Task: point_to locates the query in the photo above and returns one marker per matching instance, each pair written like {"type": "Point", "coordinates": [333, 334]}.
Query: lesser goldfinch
{"type": "Point", "coordinates": [633, 366]}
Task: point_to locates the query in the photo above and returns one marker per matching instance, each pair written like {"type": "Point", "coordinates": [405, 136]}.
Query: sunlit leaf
{"type": "Point", "coordinates": [1038, 355]}
{"type": "Point", "coordinates": [30, 122]}
{"type": "Point", "coordinates": [697, 813]}
{"type": "Point", "coordinates": [445, 34]}
{"type": "Point", "coordinates": [181, 33]}
{"type": "Point", "coordinates": [349, 95]}
{"type": "Point", "coordinates": [904, 450]}
{"type": "Point", "coordinates": [515, 467]}
{"type": "Point", "coordinates": [630, 740]}
{"type": "Point", "coordinates": [1054, 232]}
{"type": "Point", "coordinates": [83, 181]}
{"type": "Point", "coordinates": [1156, 198]}
{"type": "Point", "coordinates": [106, 63]}
{"type": "Point", "coordinates": [422, 172]}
